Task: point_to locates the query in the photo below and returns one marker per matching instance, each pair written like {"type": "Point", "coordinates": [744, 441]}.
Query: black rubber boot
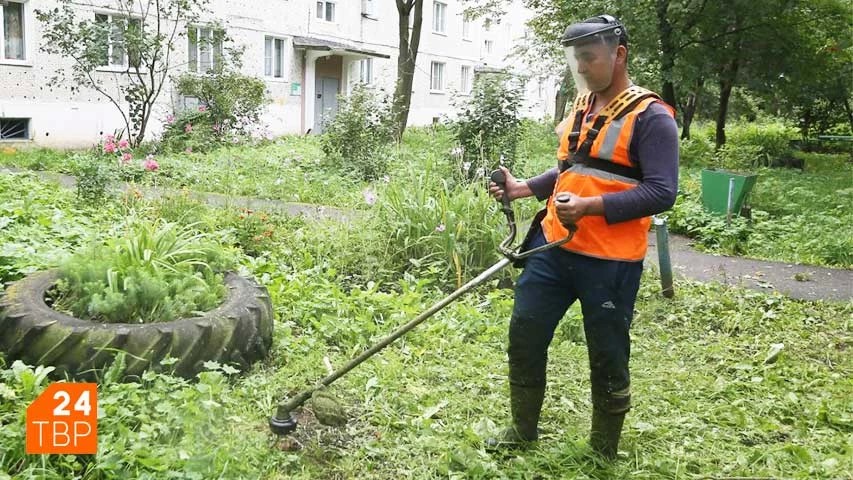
{"type": "Point", "coordinates": [525, 406]}
{"type": "Point", "coordinates": [605, 432]}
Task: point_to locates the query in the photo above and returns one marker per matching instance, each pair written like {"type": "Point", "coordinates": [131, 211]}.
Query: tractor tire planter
{"type": "Point", "coordinates": [237, 332]}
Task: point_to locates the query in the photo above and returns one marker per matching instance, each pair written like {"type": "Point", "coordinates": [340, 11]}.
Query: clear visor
{"type": "Point", "coordinates": [595, 52]}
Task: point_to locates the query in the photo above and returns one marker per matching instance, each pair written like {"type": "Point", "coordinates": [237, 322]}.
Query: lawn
{"type": "Point", "coordinates": [709, 402]}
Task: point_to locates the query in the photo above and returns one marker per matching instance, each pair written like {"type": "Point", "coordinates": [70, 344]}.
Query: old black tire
{"type": "Point", "coordinates": [238, 332]}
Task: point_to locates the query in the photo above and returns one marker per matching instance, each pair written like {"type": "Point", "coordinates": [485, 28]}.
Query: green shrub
{"type": "Point", "coordinates": [190, 131]}
{"type": "Point", "coordinates": [356, 139]}
{"type": "Point", "coordinates": [230, 107]}
{"type": "Point", "coordinates": [93, 180]}
{"type": "Point", "coordinates": [253, 231]}
{"type": "Point", "coordinates": [537, 148]}
{"type": "Point", "coordinates": [737, 157]}
{"type": "Point", "coordinates": [771, 141]}
{"type": "Point", "coordinates": [698, 151]}
{"type": "Point", "coordinates": [749, 145]}
{"type": "Point", "coordinates": [488, 127]}
{"type": "Point", "coordinates": [433, 227]}
{"type": "Point", "coordinates": [233, 101]}
{"type": "Point", "coordinates": [156, 272]}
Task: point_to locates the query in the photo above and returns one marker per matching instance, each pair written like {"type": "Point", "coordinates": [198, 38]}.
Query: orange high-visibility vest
{"type": "Point", "coordinates": [594, 159]}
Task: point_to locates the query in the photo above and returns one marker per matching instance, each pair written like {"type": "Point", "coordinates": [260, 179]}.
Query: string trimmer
{"type": "Point", "coordinates": [283, 422]}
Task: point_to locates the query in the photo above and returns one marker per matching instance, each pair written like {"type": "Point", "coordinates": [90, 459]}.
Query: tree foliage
{"type": "Point", "coordinates": [125, 56]}
{"type": "Point", "coordinates": [792, 58]}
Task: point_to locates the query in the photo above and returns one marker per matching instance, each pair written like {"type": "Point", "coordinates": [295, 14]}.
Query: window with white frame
{"type": "Point", "coordinates": [465, 80]}
{"type": "Point", "coordinates": [368, 8]}
{"type": "Point", "coordinates": [205, 48]}
{"type": "Point", "coordinates": [116, 52]}
{"type": "Point", "coordinates": [273, 57]}
{"type": "Point", "coordinates": [439, 17]}
{"type": "Point", "coordinates": [12, 31]}
{"type": "Point", "coordinates": [436, 81]}
{"type": "Point", "coordinates": [488, 46]}
{"type": "Point", "coordinates": [326, 10]}
{"type": "Point", "coordinates": [365, 71]}
{"type": "Point", "coordinates": [466, 28]}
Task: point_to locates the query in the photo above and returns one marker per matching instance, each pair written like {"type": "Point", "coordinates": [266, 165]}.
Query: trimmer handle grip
{"type": "Point", "coordinates": [566, 198]}
{"type": "Point", "coordinates": [499, 177]}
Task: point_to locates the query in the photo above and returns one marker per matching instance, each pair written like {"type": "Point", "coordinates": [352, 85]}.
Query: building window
{"type": "Point", "coordinates": [436, 82]}
{"type": "Point", "coordinates": [274, 57]}
{"type": "Point", "coordinates": [12, 31]}
{"type": "Point", "coordinates": [14, 128]}
{"type": "Point", "coordinates": [465, 80]}
{"type": "Point", "coordinates": [116, 52]}
{"type": "Point", "coordinates": [368, 8]}
{"type": "Point", "coordinates": [439, 17]}
{"type": "Point", "coordinates": [365, 71]}
{"type": "Point", "coordinates": [466, 28]}
{"type": "Point", "coordinates": [488, 46]}
{"type": "Point", "coordinates": [326, 10]}
{"type": "Point", "coordinates": [205, 49]}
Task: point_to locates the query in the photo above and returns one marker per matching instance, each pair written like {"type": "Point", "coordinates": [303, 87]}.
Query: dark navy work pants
{"type": "Point", "coordinates": [607, 289]}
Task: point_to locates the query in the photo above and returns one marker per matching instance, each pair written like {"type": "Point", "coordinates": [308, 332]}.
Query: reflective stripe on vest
{"type": "Point", "coordinates": [627, 240]}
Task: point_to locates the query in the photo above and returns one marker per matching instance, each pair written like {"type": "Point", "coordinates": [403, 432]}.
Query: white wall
{"type": "Point", "coordinates": [61, 118]}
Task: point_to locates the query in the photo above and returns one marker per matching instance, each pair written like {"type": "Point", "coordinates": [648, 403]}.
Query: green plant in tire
{"type": "Point", "coordinates": [156, 272]}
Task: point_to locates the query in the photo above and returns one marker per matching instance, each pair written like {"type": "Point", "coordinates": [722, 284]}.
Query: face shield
{"type": "Point", "coordinates": [592, 61]}
{"type": "Point", "coordinates": [591, 54]}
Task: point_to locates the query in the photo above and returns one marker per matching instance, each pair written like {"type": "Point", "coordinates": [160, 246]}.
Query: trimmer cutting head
{"type": "Point", "coordinates": [283, 426]}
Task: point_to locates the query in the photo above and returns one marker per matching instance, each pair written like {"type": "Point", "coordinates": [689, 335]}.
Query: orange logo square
{"type": "Point", "coordinates": [64, 419]}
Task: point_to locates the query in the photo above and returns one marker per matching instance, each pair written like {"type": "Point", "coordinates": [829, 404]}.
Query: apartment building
{"type": "Point", "coordinates": [308, 53]}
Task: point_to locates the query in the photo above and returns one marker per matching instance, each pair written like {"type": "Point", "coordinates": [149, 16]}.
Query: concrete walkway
{"type": "Point", "coordinates": [815, 283]}
{"type": "Point", "coordinates": [804, 282]}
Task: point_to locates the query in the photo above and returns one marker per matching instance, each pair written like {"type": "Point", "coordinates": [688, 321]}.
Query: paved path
{"type": "Point", "coordinates": [815, 283]}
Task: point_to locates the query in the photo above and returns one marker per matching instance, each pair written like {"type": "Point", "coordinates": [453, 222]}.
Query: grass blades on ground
{"type": "Point", "coordinates": [710, 400]}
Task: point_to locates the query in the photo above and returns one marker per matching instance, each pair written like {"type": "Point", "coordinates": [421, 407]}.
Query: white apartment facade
{"type": "Point", "coordinates": [308, 52]}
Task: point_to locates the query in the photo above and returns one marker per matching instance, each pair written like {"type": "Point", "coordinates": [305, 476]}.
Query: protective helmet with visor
{"type": "Point", "coordinates": [593, 40]}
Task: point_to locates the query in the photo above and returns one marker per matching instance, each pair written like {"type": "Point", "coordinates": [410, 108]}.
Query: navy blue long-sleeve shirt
{"type": "Point", "coordinates": [654, 149]}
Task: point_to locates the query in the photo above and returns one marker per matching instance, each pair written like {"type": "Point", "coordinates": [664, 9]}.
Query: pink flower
{"type": "Point", "coordinates": [369, 196]}
{"type": "Point", "coordinates": [150, 164]}
{"type": "Point", "coordinates": [440, 227]}
{"type": "Point", "coordinates": [170, 118]}
{"type": "Point", "coordinates": [111, 138]}
{"type": "Point", "coordinates": [123, 144]}
{"type": "Point", "coordinates": [189, 150]}
{"type": "Point", "coordinates": [109, 147]}
{"type": "Point", "coordinates": [188, 128]}
{"type": "Point", "coordinates": [216, 127]}
{"type": "Point", "coordinates": [126, 158]}
{"type": "Point", "coordinates": [202, 108]}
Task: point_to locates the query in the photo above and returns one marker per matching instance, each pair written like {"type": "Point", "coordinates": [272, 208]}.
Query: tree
{"type": "Point", "coordinates": [811, 82]}
{"type": "Point", "coordinates": [138, 41]}
{"type": "Point", "coordinates": [409, 42]}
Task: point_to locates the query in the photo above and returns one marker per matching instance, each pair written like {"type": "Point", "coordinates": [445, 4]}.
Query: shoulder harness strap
{"type": "Point", "coordinates": [580, 106]}
{"type": "Point", "coordinates": [620, 106]}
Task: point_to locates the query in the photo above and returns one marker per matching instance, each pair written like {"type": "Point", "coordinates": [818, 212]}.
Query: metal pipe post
{"type": "Point", "coordinates": [664, 262]}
